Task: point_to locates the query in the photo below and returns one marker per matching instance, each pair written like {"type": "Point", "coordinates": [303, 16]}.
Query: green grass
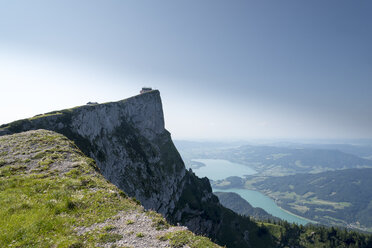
{"type": "Point", "coordinates": [49, 190]}
{"type": "Point", "coordinates": [140, 235]}
{"type": "Point", "coordinates": [44, 115]}
{"type": "Point", "coordinates": [35, 210]}
{"type": "Point", "coordinates": [109, 228]}
{"type": "Point", "coordinates": [110, 237]}
{"type": "Point", "coordinates": [41, 207]}
{"type": "Point", "coordinates": [158, 220]}
{"type": "Point", "coordinates": [275, 230]}
{"type": "Point", "coordinates": [182, 238]}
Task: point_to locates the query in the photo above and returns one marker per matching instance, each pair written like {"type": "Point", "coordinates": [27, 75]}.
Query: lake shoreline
{"type": "Point", "coordinates": [291, 218]}
{"type": "Point", "coordinates": [219, 169]}
{"type": "Point", "coordinates": [287, 211]}
{"type": "Point", "coordinates": [298, 216]}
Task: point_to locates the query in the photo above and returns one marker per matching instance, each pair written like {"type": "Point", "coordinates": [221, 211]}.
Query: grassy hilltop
{"type": "Point", "coordinates": [52, 195]}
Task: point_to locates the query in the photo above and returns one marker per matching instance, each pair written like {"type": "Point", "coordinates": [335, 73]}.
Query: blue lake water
{"type": "Point", "coordinates": [257, 199]}
{"type": "Point", "coordinates": [217, 169]}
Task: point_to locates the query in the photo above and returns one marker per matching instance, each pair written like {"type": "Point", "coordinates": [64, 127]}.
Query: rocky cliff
{"type": "Point", "coordinates": [135, 152]}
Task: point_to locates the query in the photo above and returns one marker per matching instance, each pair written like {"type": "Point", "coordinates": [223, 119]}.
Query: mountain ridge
{"type": "Point", "coordinates": [134, 151]}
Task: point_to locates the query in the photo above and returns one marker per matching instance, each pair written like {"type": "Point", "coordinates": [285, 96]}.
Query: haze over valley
{"type": "Point", "coordinates": [323, 183]}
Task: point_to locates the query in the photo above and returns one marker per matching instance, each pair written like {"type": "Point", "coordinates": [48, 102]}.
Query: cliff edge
{"type": "Point", "coordinates": [134, 151]}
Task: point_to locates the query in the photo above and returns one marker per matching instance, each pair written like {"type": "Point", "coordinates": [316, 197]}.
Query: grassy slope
{"type": "Point", "coordinates": [49, 189]}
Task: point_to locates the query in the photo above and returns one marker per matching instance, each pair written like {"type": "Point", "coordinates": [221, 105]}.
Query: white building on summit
{"type": "Point", "coordinates": [145, 89]}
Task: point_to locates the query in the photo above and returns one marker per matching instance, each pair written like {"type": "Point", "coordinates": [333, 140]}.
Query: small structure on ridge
{"type": "Point", "coordinates": [145, 89]}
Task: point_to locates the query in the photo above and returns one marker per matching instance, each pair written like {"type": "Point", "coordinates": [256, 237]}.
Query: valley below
{"type": "Point", "coordinates": [218, 169]}
{"type": "Point", "coordinates": [304, 184]}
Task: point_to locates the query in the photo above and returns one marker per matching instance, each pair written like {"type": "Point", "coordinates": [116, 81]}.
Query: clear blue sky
{"type": "Point", "coordinates": [225, 69]}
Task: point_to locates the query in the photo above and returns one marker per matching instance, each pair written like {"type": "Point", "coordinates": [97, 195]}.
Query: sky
{"type": "Point", "coordinates": [226, 70]}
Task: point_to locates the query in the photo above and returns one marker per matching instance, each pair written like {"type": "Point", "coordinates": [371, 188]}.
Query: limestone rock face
{"type": "Point", "coordinates": [127, 139]}
{"type": "Point", "coordinates": [135, 152]}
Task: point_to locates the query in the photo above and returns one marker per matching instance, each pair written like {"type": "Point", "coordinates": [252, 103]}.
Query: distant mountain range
{"type": "Point", "coordinates": [280, 161]}
{"type": "Point", "coordinates": [363, 151]}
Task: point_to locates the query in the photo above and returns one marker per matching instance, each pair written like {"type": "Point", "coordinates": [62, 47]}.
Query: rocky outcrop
{"type": "Point", "coordinates": [129, 142]}
{"type": "Point", "coordinates": [135, 152]}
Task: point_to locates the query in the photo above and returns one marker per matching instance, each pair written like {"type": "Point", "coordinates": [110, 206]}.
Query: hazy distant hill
{"type": "Point", "coordinates": [363, 151]}
{"type": "Point", "coordinates": [278, 161]}
{"type": "Point", "coordinates": [334, 197]}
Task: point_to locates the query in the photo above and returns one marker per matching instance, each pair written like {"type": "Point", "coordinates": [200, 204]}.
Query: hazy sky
{"type": "Point", "coordinates": [225, 69]}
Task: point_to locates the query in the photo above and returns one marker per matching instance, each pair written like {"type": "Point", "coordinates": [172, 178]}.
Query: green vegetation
{"type": "Point", "coordinates": [109, 237]}
{"type": "Point", "coordinates": [51, 195]}
{"type": "Point", "coordinates": [57, 191]}
{"type": "Point", "coordinates": [158, 221]}
{"type": "Point", "coordinates": [44, 115]}
{"type": "Point", "coordinates": [182, 238]}
{"type": "Point", "coordinates": [109, 228]}
{"type": "Point", "coordinates": [130, 222]}
{"type": "Point", "coordinates": [140, 235]}
{"type": "Point", "coordinates": [292, 235]}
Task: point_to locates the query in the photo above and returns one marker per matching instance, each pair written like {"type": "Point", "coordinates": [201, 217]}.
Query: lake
{"type": "Point", "coordinates": [217, 169]}
{"type": "Point", "coordinates": [257, 199]}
